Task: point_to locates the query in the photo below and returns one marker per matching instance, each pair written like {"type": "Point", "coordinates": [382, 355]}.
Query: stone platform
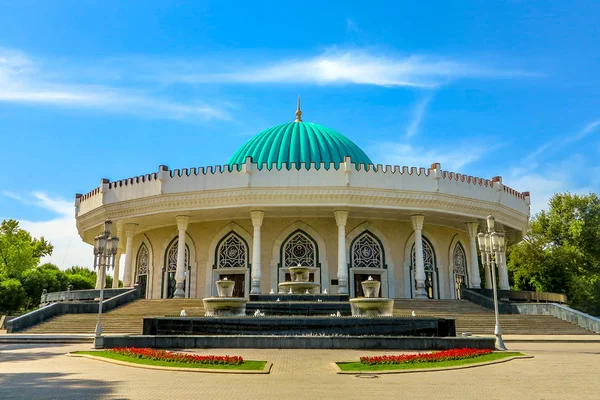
{"type": "Point", "coordinates": [299, 308]}
{"type": "Point", "coordinates": [297, 342]}
{"type": "Point", "coordinates": [300, 325]}
{"type": "Point", "coordinates": [299, 297]}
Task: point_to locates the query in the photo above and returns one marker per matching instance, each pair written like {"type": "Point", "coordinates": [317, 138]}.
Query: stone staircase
{"type": "Point", "coordinates": [469, 318]}
{"type": "Point", "coordinates": [478, 320]}
{"type": "Point", "coordinates": [125, 319]}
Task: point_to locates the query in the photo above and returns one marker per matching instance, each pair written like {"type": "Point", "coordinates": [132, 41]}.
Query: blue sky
{"type": "Point", "coordinates": [110, 89]}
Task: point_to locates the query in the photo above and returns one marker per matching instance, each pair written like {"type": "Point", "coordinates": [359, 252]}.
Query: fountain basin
{"type": "Point", "coordinates": [371, 287]}
{"type": "Point", "coordinates": [300, 325]}
{"type": "Point", "coordinates": [301, 274]}
{"type": "Point", "coordinates": [299, 287]}
{"type": "Point", "coordinates": [371, 307]}
{"type": "Point", "coordinates": [225, 306]}
{"type": "Point", "coordinates": [225, 288]}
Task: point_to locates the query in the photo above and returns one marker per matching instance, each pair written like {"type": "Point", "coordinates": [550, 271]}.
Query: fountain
{"type": "Point", "coordinates": [371, 305]}
{"type": "Point", "coordinates": [225, 305]}
{"type": "Point", "coordinates": [297, 320]}
{"type": "Point", "coordinates": [299, 283]}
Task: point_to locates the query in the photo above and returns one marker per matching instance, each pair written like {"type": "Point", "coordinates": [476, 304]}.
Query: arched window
{"type": "Point", "coordinates": [232, 252]}
{"type": "Point", "coordinates": [171, 268]}
{"type": "Point", "coordinates": [366, 252]}
{"type": "Point", "coordinates": [299, 248]}
{"type": "Point", "coordinates": [432, 286]}
{"type": "Point", "coordinates": [459, 268]}
{"type": "Point", "coordinates": [142, 268]}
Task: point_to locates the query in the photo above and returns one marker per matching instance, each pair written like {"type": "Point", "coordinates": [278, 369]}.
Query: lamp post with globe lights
{"type": "Point", "coordinates": [105, 251]}
{"type": "Point", "coordinates": [491, 246]}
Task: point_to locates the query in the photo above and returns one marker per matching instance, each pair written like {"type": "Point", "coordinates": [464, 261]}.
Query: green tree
{"type": "Point", "coordinates": [80, 278]}
{"type": "Point", "coordinates": [19, 251]}
{"type": "Point", "coordinates": [561, 252]}
{"type": "Point", "coordinates": [12, 296]}
{"type": "Point", "coordinates": [109, 282]}
{"type": "Point", "coordinates": [46, 276]}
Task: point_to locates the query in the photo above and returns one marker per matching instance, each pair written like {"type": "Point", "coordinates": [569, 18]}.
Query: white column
{"type": "Point", "coordinates": [182, 223]}
{"type": "Point", "coordinates": [257, 220]}
{"type": "Point", "coordinates": [503, 272]}
{"type": "Point", "coordinates": [342, 273]}
{"type": "Point", "coordinates": [474, 278]}
{"type": "Point", "coordinates": [98, 279]}
{"type": "Point", "coordinates": [417, 222]}
{"type": "Point", "coordinates": [488, 276]}
{"type": "Point", "coordinates": [115, 283]}
{"type": "Point", "coordinates": [127, 272]}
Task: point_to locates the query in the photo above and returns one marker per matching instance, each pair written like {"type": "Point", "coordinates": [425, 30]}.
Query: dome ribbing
{"type": "Point", "coordinates": [298, 142]}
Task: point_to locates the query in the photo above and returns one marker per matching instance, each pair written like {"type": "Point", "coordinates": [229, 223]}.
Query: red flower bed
{"type": "Point", "coordinates": [162, 355]}
{"type": "Point", "coordinates": [444, 355]}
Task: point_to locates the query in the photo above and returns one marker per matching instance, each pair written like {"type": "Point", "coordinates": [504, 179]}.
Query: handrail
{"type": "Point", "coordinates": [474, 296]}
{"type": "Point", "coordinates": [32, 318]}
{"type": "Point", "coordinates": [559, 311]}
{"type": "Point", "coordinates": [525, 295]}
{"type": "Point", "coordinates": [80, 295]}
{"type": "Point", "coordinates": [123, 298]}
{"type": "Point", "coordinates": [51, 310]}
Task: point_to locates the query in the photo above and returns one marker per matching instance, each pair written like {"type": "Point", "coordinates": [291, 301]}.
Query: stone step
{"type": "Point", "coordinates": [469, 317]}
{"type": "Point", "coordinates": [125, 319]}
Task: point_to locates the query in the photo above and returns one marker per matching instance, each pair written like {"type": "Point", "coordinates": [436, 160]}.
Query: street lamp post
{"type": "Point", "coordinates": [491, 244]}
{"type": "Point", "coordinates": [105, 250]}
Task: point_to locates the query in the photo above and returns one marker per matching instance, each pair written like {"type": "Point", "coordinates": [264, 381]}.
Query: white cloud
{"type": "Point", "coordinates": [409, 155]}
{"type": "Point", "coordinates": [24, 81]}
{"type": "Point", "coordinates": [354, 66]}
{"type": "Point", "coordinates": [60, 230]}
{"type": "Point", "coordinates": [351, 25]}
{"type": "Point", "coordinates": [557, 144]}
{"type": "Point", "coordinates": [417, 117]}
{"type": "Point", "coordinates": [587, 130]}
{"type": "Point", "coordinates": [568, 174]}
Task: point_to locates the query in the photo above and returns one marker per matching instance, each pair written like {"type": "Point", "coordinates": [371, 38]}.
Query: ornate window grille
{"type": "Point", "coordinates": [172, 256]}
{"type": "Point", "coordinates": [299, 249]}
{"type": "Point", "coordinates": [428, 257]}
{"type": "Point", "coordinates": [232, 253]}
{"type": "Point", "coordinates": [429, 263]}
{"type": "Point", "coordinates": [366, 252]}
{"type": "Point", "coordinates": [459, 267]}
{"type": "Point", "coordinates": [143, 261]}
{"type": "Point", "coordinates": [170, 269]}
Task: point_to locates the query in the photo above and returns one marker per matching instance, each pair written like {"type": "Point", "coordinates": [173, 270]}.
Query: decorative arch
{"type": "Point", "coordinates": [366, 251]}
{"type": "Point", "coordinates": [385, 272]}
{"type": "Point", "coordinates": [171, 244]}
{"type": "Point", "coordinates": [142, 269]}
{"type": "Point", "coordinates": [232, 252]}
{"type": "Point", "coordinates": [431, 264]}
{"type": "Point", "coordinates": [278, 270]}
{"type": "Point", "coordinates": [458, 267]}
{"type": "Point", "coordinates": [213, 271]}
{"type": "Point", "coordinates": [150, 289]}
{"type": "Point", "coordinates": [299, 248]}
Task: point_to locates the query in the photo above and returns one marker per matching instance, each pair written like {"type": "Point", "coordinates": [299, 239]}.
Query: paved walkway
{"type": "Point", "coordinates": [41, 371]}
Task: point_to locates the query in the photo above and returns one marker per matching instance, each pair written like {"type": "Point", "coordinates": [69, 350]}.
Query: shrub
{"type": "Point", "coordinates": [162, 355]}
{"type": "Point", "coordinates": [12, 296]}
{"type": "Point", "coordinates": [438, 356]}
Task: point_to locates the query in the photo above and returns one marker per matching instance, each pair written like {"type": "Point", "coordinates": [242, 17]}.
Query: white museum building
{"type": "Point", "coordinates": [301, 193]}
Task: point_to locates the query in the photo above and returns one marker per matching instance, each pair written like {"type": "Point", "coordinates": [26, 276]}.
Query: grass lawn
{"type": "Point", "coordinates": [358, 366]}
{"type": "Point", "coordinates": [246, 365]}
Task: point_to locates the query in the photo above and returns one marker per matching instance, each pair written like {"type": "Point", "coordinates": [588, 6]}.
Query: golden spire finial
{"type": "Point", "coordinates": [298, 112]}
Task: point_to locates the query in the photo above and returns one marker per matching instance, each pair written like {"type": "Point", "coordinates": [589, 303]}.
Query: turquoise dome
{"type": "Point", "coordinates": [298, 142]}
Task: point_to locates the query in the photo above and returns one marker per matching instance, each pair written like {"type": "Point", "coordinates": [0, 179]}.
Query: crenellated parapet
{"type": "Point", "coordinates": [252, 182]}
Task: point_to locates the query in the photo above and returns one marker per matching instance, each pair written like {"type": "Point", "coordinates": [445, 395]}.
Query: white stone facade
{"type": "Point", "coordinates": [349, 222]}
